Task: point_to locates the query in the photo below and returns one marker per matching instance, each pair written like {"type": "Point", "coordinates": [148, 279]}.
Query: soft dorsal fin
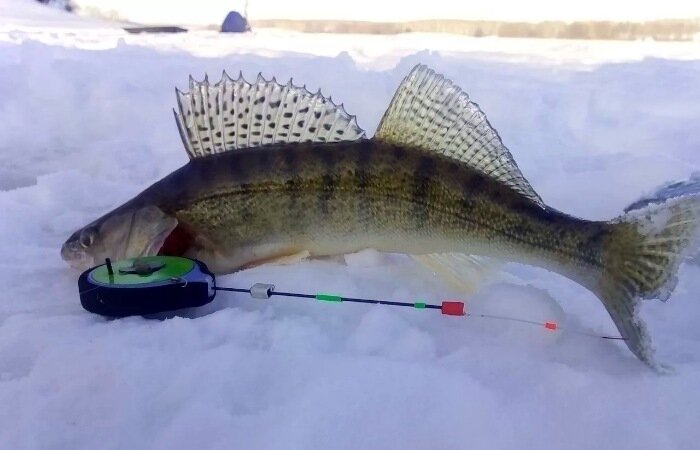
{"type": "Point", "coordinates": [234, 114]}
{"type": "Point", "coordinates": [430, 112]}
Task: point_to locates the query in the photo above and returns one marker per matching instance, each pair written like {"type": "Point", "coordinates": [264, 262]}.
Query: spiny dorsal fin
{"type": "Point", "coordinates": [430, 112]}
{"type": "Point", "coordinates": [234, 114]}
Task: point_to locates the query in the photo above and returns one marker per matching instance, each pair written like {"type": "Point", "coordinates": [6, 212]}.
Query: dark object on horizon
{"type": "Point", "coordinates": [165, 29]}
{"type": "Point", "coordinates": [235, 23]}
{"type": "Point", "coordinates": [65, 5]}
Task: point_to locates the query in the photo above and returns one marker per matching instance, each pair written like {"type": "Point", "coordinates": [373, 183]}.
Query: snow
{"type": "Point", "coordinates": [19, 13]}
{"type": "Point", "coordinates": [86, 124]}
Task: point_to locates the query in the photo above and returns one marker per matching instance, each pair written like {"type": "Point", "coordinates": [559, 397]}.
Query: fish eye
{"type": "Point", "coordinates": [87, 237]}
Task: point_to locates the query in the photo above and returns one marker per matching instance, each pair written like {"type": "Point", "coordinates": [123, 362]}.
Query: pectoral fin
{"type": "Point", "coordinates": [286, 260]}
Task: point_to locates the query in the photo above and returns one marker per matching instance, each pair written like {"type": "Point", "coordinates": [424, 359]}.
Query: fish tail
{"type": "Point", "coordinates": [641, 261]}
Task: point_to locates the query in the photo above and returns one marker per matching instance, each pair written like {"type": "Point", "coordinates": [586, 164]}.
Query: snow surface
{"type": "Point", "coordinates": [18, 13]}
{"type": "Point", "coordinates": [83, 130]}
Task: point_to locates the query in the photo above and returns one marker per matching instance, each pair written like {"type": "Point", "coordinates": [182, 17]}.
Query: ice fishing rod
{"type": "Point", "coordinates": [158, 284]}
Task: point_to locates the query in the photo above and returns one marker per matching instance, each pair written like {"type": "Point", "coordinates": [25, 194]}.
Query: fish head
{"type": "Point", "coordinates": [126, 232]}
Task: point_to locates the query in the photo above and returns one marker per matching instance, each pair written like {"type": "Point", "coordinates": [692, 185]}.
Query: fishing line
{"type": "Point", "coordinates": [447, 307]}
{"type": "Point", "coordinates": [156, 284]}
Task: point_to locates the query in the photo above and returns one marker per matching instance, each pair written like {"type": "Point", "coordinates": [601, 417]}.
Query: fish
{"type": "Point", "coordinates": [278, 173]}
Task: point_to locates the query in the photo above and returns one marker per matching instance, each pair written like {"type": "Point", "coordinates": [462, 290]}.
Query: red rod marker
{"type": "Point", "coordinates": [550, 325]}
{"type": "Point", "coordinates": [452, 308]}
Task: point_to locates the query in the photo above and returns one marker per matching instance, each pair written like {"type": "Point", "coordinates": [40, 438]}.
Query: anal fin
{"type": "Point", "coordinates": [462, 272]}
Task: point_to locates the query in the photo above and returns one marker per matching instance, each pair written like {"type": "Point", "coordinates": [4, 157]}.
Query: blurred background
{"type": "Point", "coordinates": [592, 19]}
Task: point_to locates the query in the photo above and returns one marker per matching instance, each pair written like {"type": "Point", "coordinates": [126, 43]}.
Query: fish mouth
{"type": "Point", "coordinates": [176, 243]}
{"type": "Point", "coordinates": [75, 258]}
{"type": "Point", "coordinates": [171, 241]}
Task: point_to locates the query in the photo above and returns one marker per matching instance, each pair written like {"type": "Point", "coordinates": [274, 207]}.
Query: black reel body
{"type": "Point", "coordinates": [147, 285]}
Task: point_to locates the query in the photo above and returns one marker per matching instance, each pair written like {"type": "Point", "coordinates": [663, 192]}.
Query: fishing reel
{"type": "Point", "coordinates": [148, 285]}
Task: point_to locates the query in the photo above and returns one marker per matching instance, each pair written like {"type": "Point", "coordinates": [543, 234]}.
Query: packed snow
{"type": "Point", "coordinates": [86, 123]}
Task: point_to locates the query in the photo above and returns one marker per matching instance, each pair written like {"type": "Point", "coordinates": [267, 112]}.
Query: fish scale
{"type": "Point", "coordinates": [317, 183]}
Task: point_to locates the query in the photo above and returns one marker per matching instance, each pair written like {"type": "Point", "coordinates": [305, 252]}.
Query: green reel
{"type": "Point", "coordinates": [148, 285]}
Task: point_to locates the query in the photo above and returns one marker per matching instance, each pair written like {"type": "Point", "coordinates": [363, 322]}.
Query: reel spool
{"type": "Point", "coordinates": [147, 285]}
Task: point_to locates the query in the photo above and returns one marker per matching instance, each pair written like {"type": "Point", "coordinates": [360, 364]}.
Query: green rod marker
{"type": "Point", "coordinates": [329, 298]}
{"type": "Point", "coordinates": [419, 305]}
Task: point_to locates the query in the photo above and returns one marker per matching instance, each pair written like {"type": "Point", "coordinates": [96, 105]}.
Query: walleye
{"type": "Point", "coordinates": [277, 172]}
